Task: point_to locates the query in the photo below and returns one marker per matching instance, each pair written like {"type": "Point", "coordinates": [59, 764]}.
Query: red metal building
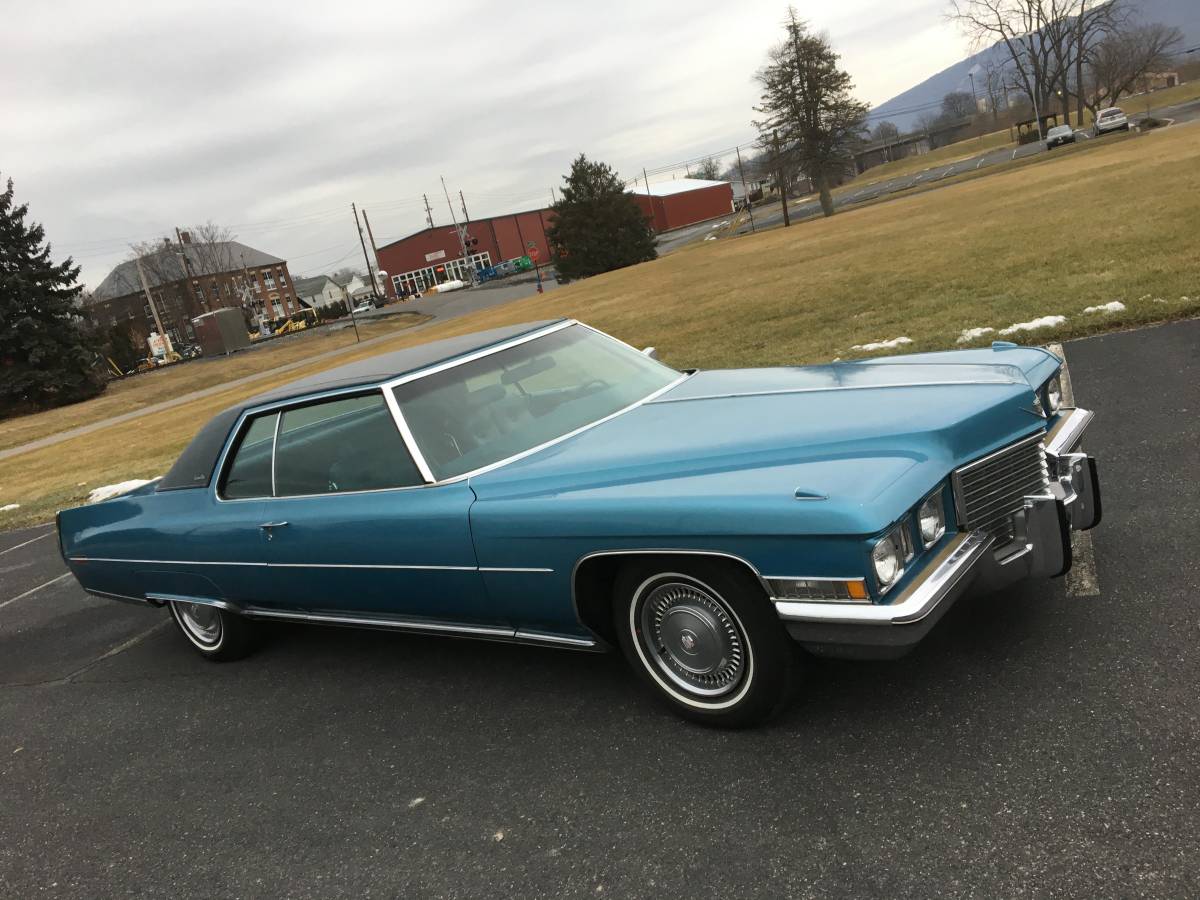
{"type": "Point", "coordinates": [434, 255]}
{"type": "Point", "coordinates": [683, 201]}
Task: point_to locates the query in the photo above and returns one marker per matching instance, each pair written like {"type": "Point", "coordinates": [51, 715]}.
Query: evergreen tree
{"type": "Point", "coordinates": [807, 105]}
{"type": "Point", "coordinates": [47, 356]}
{"type": "Point", "coordinates": [597, 226]}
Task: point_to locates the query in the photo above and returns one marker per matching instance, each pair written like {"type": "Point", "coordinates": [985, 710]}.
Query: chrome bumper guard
{"type": "Point", "coordinates": [1041, 548]}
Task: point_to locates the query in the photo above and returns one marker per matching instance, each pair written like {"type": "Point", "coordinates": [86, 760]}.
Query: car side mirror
{"type": "Point", "coordinates": [651, 352]}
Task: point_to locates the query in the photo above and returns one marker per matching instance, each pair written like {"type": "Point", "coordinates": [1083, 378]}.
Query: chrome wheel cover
{"type": "Point", "coordinates": [201, 621]}
{"type": "Point", "coordinates": [692, 638]}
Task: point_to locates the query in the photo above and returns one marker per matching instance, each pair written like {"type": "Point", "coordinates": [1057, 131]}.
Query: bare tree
{"type": "Point", "coordinates": [708, 169]}
{"type": "Point", "coordinates": [211, 249]}
{"type": "Point", "coordinates": [885, 131]}
{"type": "Point", "coordinates": [1047, 41]}
{"type": "Point", "coordinates": [807, 107]}
{"type": "Point", "coordinates": [994, 81]}
{"type": "Point", "coordinates": [958, 105]}
{"type": "Point", "coordinates": [1122, 58]}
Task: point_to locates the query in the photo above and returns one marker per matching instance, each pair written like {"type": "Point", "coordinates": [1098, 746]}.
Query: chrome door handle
{"type": "Point", "coordinates": [268, 526]}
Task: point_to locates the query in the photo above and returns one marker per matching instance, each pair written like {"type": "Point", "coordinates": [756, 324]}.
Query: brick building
{"type": "Point", "coordinates": [434, 255]}
{"type": "Point", "coordinates": [189, 279]}
{"type": "Point", "coordinates": [683, 201]}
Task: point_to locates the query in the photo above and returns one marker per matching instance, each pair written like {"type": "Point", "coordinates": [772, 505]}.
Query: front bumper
{"type": "Point", "coordinates": [1042, 548]}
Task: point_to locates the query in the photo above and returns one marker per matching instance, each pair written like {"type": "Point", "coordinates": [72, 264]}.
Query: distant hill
{"type": "Point", "coordinates": [904, 109]}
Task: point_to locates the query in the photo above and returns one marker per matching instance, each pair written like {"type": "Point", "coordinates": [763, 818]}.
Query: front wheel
{"type": "Point", "coordinates": [216, 633]}
{"type": "Point", "coordinates": [704, 638]}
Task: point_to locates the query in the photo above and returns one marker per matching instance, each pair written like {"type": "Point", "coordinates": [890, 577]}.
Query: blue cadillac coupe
{"type": "Point", "coordinates": [548, 484]}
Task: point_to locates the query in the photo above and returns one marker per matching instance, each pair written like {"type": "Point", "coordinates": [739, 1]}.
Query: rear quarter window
{"type": "Point", "coordinates": [249, 474]}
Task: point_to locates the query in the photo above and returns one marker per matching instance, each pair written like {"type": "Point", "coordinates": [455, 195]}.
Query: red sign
{"type": "Point", "coordinates": [533, 253]}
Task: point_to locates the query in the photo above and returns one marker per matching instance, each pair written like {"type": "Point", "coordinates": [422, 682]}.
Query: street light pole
{"type": "Point", "coordinates": [1037, 116]}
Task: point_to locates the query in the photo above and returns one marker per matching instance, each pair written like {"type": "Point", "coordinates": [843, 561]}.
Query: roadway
{"type": "Point", "coordinates": [861, 190]}
{"type": "Point", "coordinates": [1039, 743]}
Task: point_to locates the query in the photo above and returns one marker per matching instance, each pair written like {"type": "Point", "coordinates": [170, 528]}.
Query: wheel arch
{"type": "Point", "coordinates": [594, 576]}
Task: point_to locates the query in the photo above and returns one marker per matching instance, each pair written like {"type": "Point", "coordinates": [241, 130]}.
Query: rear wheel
{"type": "Point", "coordinates": [216, 633]}
{"type": "Point", "coordinates": [704, 638]}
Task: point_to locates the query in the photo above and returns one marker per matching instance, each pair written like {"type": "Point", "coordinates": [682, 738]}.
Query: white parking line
{"type": "Point", "coordinates": [980, 163]}
{"type": "Point", "coordinates": [1082, 580]}
{"type": "Point", "coordinates": [35, 590]}
{"type": "Point", "coordinates": [27, 543]}
{"type": "Point", "coordinates": [1014, 156]}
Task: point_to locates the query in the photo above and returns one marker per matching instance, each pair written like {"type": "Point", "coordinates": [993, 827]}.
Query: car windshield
{"type": "Point", "coordinates": [1110, 113]}
{"type": "Point", "coordinates": [1060, 129]}
{"type": "Point", "coordinates": [471, 415]}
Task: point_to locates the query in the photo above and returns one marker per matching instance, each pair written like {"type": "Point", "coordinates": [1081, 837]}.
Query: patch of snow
{"type": "Point", "coordinates": [415, 802]}
{"type": "Point", "coordinates": [1159, 300]}
{"type": "Point", "coordinates": [108, 491]}
{"type": "Point", "coordinates": [883, 345]}
{"type": "Point", "coordinates": [969, 334]}
{"type": "Point", "coordinates": [1034, 324]}
{"type": "Point", "coordinates": [9, 507]}
{"type": "Point", "coordinates": [711, 237]}
{"type": "Point", "coordinates": [1115, 306]}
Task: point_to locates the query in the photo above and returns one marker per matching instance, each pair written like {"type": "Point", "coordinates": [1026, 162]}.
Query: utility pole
{"type": "Point", "coordinates": [428, 211]}
{"type": "Point", "coordinates": [649, 199]}
{"type": "Point", "coordinates": [553, 198]}
{"type": "Point", "coordinates": [462, 240]}
{"type": "Point", "coordinates": [150, 300]}
{"type": "Point", "coordinates": [374, 250]}
{"type": "Point", "coordinates": [463, 201]}
{"type": "Point", "coordinates": [780, 178]}
{"type": "Point", "coordinates": [975, 100]}
{"type": "Point", "coordinates": [745, 190]}
{"type": "Point", "coordinates": [349, 299]}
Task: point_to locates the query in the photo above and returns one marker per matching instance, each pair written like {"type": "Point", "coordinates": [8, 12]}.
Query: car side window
{"type": "Point", "coordinates": [346, 444]}
{"type": "Point", "coordinates": [249, 475]}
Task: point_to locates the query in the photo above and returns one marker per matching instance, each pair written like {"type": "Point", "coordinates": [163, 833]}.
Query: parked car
{"type": "Point", "coordinates": [364, 307]}
{"type": "Point", "coordinates": [1058, 135]}
{"type": "Point", "coordinates": [1111, 119]}
{"type": "Point", "coordinates": [549, 484]}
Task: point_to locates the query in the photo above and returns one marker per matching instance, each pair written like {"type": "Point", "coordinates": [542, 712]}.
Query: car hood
{"type": "Point", "coordinates": [845, 448]}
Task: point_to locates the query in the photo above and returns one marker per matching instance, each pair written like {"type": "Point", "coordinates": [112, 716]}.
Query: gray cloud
{"type": "Point", "coordinates": [131, 118]}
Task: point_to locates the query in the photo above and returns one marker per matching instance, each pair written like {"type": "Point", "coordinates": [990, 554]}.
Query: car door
{"type": "Point", "coordinates": [353, 528]}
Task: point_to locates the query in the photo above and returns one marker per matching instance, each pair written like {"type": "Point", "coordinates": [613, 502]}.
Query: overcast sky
{"type": "Point", "coordinates": [125, 119]}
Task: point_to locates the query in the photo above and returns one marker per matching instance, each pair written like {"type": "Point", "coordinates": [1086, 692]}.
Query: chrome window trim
{"type": "Point", "coordinates": [564, 437]}
{"type": "Point", "coordinates": [402, 425]}
{"type": "Point", "coordinates": [274, 450]}
{"type": "Point", "coordinates": [488, 351]}
{"type": "Point", "coordinates": [279, 407]}
{"type": "Point", "coordinates": [273, 565]}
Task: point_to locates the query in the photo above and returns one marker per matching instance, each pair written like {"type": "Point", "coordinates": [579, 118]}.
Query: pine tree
{"type": "Point", "coordinates": [807, 106]}
{"type": "Point", "coordinates": [598, 227]}
{"type": "Point", "coordinates": [47, 355]}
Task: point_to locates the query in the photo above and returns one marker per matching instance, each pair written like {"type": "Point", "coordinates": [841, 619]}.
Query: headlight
{"type": "Point", "coordinates": [933, 519]}
{"type": "Point", "coordinates": [1054, 394]}
{"type": "Point", "coordinates": [886, 557]}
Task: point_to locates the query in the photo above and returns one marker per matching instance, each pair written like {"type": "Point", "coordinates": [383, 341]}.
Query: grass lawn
{"type": "Point", "coordinates": [1071, 230]}
{"type": "Point", "coordinates": [149, 388]}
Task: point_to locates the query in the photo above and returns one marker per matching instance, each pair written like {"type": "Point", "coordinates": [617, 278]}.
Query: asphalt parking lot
{"type": "Point", "coordinates": [1037, 744]}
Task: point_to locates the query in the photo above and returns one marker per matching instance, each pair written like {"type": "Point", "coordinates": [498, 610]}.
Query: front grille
{"type": "Point", "coordinates": [990, 490]}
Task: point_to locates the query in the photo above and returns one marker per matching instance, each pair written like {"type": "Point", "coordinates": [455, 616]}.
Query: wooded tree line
{"type": "Point", "coordinates": [1068, 53]}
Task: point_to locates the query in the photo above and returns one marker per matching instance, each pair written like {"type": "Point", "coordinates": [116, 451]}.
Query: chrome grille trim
{"type": "Point", "coordinates": [990, 490]}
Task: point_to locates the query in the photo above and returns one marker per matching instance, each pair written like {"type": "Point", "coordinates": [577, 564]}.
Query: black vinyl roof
{"type": "Point", "coordinates": [195, 465]}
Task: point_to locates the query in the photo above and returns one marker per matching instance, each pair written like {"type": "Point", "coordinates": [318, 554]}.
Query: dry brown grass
{"type": "Point", "coordinates": [144, 390]}
{"type": "Point", "coordinates": [1070, 231]}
